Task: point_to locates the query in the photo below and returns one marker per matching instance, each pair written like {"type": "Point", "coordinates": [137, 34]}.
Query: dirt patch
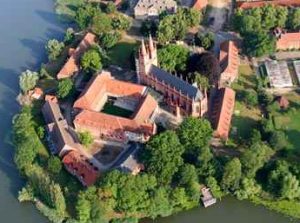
{"type": "Point", "coordinates": [105, 153]}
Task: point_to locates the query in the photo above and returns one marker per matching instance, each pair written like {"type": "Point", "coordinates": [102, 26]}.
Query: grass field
{"type": "Point", "coordinates": [123, 54]}
{"type": "Point", "coordinates": [289, 120]}
{"type": "Point", "coordinates": [244, 119]}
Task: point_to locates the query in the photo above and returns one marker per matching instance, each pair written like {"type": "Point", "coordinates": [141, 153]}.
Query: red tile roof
{"type": "Point", "coordinates": [78, 165]}
{"type": "Point", "coordinates": [200, 4]}
{"type": "Point", "coordinates": [288, 41]}
{"type": "Point", "coordinates": [95, 95]}
{"type": "Point", "coordinates": [222, 113]}
{"type": "Point", "coordinates": [71, 66]}
{"type": "Point", "coordinates": [103, 84]}
{"type": "Point", "coordinates": [229, 59]}
{"type": "Point", "coordinates": [36, 93]}
{"type": "Point", "coordinates": [256, 4]}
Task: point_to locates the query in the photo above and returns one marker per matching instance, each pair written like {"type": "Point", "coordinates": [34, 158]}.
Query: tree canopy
{"type": "Point", "coordinates": [91, 61]}
{"type": "Point", "coordinates": [173, 58]}
{"type": "Point", "coordinates": [162, 156]}
{"type": "Point", "coordinates": [28, 80]}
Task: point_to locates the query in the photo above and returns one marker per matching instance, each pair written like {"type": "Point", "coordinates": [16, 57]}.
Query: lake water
{"type": "Point", "coordinates": [25, 25]}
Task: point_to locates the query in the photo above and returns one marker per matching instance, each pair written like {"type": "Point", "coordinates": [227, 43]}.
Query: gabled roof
{"type": "Point", "coordinates": [78, 165]}
{"type": "Point", "coordinates": [71, 66]}
{"type": "Point", "coordinates": [145, 109]}
{"type": "Point", "coordinates": [229, 57]}
{"type": "Point", "coordinates": [256, 4]}
{"type": "Point", "coordinates": [175, 82]}
{"type": "Point", "coordinates": [286, 38]}
{"type": "Point", "coordinates": [159, 5]}
{"type": "Point", "coordinates": [112, 123]}
{"type": "Point", "coordinates": [223, 109]}
{"type": "Point", "coordinates": [105, 83]}
{"type": "Point", "coordinates": [199, 4]}
{"type": "Point", "coordinates": [51, 112]}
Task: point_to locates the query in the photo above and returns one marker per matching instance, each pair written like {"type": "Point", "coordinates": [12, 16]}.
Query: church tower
{"type": "Point", "coordinates": [147, 56]}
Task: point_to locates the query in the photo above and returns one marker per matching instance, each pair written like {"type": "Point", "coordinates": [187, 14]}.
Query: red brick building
{"type": "Point", "coordinates": [229, 62]}
{"type": "Point", "coordinates": [78, 165]}
{"type": "Point", "coordinates": [256, 4]}
{"type": "Point", "coordinates": [288, 41]}
{"type": "Point", "coordinates": [223, 107]}
{"type": "Point", "coordinates": [183, 98]}
{"type": "Point", "coordinates": [72, 64]}
{"type": "Point", "coordinates": [103, 88]}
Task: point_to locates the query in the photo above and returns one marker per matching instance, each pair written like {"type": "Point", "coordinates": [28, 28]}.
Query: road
{"type": "Point", "coordinates": [218, 12]}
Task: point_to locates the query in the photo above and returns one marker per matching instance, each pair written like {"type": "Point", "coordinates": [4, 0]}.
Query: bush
{"type": "Point", "coordinates": [54, 165]}
{"type": "Point", "coordinates": [85, 138]}
{"type": "Point", "coordinates": [65, 88]}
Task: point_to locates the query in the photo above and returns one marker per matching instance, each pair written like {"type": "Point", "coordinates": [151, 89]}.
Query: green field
{"type": "Point", "coordinates": [122, 54]}
{"type": "Point", "coordinates": [289, 120]}
{"type": "Point", "coordinates": [244, 119]}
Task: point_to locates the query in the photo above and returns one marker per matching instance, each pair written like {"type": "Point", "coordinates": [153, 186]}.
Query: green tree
{"type": "Point", "coordinates": [91, 61]}
{"type": "Point", "coordinates": [165, 30]}
{"type": "Point", "coordinates": [250, 98]}
{"type": "Point", "coordinates": [205, 161]}
{"type": "Point", "coordinates": [65, 88]}
{"type": "Point", "coordinates": [269, 15]}
{"type": "Point", "coordinates": [255, 157]}
{"type": "Point", "coordinates": [25, 140]}
{"type": "Point", "coordinates": [248, 189]}
{"type": "Point", "coordinates": [201, 80]}
{"type": "Point", "coordinates": [148, 27]}
{"type": "Point", "coordinates": [84, 15]}
{"type": "Point", "coordinates": [108, 40]}
{"type": "Point", "coordinates": [83, 209]}
{"type": "Point", "coordinates": [294, 19]}
{"type": "Point", "coordinates": [54, 48]}
{"type": "Point", "coordinates": [205, 40]}
{"type": "Point", "coordinates": [28, 80]}
{"type": "Point", "coordinates": [110, 8]}
{"type": "Point", "coordinates": [278, 140]}
{"type": "Point", "coordinates": [259, 44]}
{"type": "Point", "coordinates": [212, 183]}
{"type": "Point", "coordinates": [231, 175]}
{"type": "Point", "coordinates": [69, 36]}
{"type": "Point", "coordinates": [54, 165]}
{"type": "Point", "coordinates": [121, 22]}
{"type": "Point", "coordinates": [162, 156]}
{"type": "Point", "coordinates": [160, 204]}
{"type": "Point", "coordinates": [290, 187]}
{"type": "Point", "coordinates": [173, 57]}
{"type": "Point", "coordinates": [282, 16]}
{"type": "Point", "coordinates": [85, 138]}
{"type": "Point", "coordinates": [194, 133]}
{"type": "Point", "coordinates": [101, 23]}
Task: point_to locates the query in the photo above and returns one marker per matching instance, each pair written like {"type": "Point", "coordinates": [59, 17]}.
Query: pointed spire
{"type": "Point", "coordinates": [143, 48]}
{"type": "Point", "coordinates": [151, 44]}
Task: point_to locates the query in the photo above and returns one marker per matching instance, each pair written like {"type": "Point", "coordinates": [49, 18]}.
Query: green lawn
{"type": "Point", "coordinates": [109, 108]}
{"type": "Point", "coordinates": [244, 119]}
{"type": "Point", "coordinates": [289, 120]}
{"type": "Point", "coordinates": [123, 54]}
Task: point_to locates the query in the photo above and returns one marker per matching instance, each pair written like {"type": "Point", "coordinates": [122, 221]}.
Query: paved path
{"type": "Point", "coordinates": [218, 13]}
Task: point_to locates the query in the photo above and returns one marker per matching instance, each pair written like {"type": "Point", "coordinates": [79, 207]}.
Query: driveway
{"type": "Point", "coordinates": [218, 14]}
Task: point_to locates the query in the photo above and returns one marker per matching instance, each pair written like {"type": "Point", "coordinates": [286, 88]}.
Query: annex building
{"type": "Point", "coordinates": [249, 4]}
{"type": "Point", "coordinates": [71, 66]}
{"type": "Point", "coordinates": [278, 74]}
{"type": "Point", "coordinates": [63, 141]}
{"type": "Point", "coordinates": [152, 8]}
{"type": "Point", "coordinates": [183, 98]}
{"type": "Point", "coordinates": [116, 110]}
